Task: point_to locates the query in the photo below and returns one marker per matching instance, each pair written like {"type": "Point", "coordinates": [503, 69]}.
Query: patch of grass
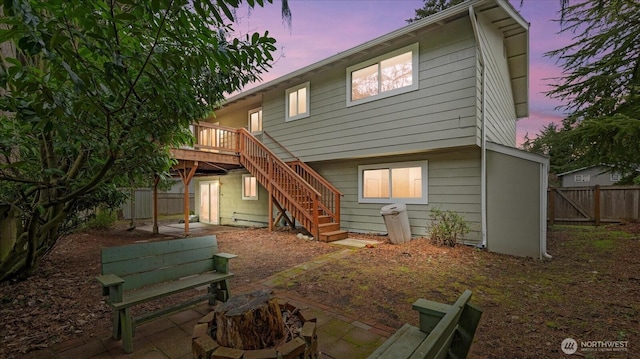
{"type": "Point", "coordinates": [604, 244]}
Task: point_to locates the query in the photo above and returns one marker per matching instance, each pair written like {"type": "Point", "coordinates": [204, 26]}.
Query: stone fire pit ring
{"type": "Point", "coordinates": [304, 345]}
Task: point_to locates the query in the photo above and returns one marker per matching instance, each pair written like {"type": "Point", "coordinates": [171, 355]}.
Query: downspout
{"type": "Point", "coordinates": [483, 135]}
{"type": "Point", "coordinates": [544, 179]}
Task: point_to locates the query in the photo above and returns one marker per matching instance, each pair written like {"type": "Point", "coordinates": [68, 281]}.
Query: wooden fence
{"type": "Point", "coordinates": [168, 203]}
{"type": "Point", "coordinates": [593, 205]}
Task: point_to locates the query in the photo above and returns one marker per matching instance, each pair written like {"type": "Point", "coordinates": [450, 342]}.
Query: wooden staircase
{"type": "Point", "coordinates": [295, 189]}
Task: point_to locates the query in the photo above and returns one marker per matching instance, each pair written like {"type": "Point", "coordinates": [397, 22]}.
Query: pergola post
{"type": "Point", "coordinates": [186, 169]}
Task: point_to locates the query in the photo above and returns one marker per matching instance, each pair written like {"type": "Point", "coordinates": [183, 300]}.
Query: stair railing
{"type": "Point", "coordinates": [329, 194]}
{"type": "Point", "coordinates": [287, 187]}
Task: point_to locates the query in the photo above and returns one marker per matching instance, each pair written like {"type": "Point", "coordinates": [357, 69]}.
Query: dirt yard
{"type": "Point", "coordinates": [589, 291]}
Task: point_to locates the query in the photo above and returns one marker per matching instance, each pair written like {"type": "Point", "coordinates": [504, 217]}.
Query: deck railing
{"type": "Point", "coordinates": [215, 138]}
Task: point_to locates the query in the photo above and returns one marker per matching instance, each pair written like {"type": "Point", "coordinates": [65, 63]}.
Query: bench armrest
{"type": "Point", "coordinates": [430, 313]}
{"type": "Point", "coordinates": [221, 262]}
{"type": "Point", "coordinates": [111, 286]}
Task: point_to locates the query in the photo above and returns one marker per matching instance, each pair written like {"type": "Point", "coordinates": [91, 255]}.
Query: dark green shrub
{"type": "Point", "coordinates": [104, 219]}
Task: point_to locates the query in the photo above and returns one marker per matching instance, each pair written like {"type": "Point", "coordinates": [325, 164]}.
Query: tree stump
{"type": "Point", "coordinates": [250, 321]}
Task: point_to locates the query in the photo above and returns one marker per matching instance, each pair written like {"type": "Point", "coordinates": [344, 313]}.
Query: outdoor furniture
{"type": "Point", "coordinates": [139, 273]}
{"type": "Point", "coordinates": [446, 331]}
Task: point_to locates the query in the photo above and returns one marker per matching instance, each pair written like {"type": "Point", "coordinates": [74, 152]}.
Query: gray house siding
{"type": "Point", "coordinates": [597, 176]}
{"type": "Point", "coordinates": [453, 184]}
{"type": "Point", "coordinates": [500, 111]}
{"type": "Point", "coordinates": [440, 114]}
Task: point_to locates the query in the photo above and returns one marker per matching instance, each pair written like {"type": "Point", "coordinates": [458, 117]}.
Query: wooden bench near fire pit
{"type": "Point", "coordinates": [142, 272]}
{"type": "Point", "coordinates": [446, 331]}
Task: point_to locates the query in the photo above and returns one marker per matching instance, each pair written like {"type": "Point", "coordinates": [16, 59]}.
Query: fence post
{"type": "Point", "coordinates": [552, 206]}
{"type": "Point", "coordinates": [596, 205]}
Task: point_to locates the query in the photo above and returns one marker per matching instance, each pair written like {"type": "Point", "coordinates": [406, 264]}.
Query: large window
{"type": "Point", "coordinates": [297, 102]}
{"type": "Point", "coordinates": [255, 120]}
{"type": "Point", "coordinates": [384, 76]}
{"type": "Point", "coordinates": [249, 187]}
{"type": "Point", "coordinates": [404, 182]}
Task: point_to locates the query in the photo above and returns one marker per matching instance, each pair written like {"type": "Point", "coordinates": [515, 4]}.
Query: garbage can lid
{"type": "Point", "coordinates": [394, 208]}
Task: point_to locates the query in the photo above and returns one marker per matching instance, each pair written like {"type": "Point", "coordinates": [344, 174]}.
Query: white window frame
{"type": "Point", "coordinates": [615, 177]}
{"type": "Point", "coordinates": [251, 112]}
{"type": "Point", "coordinates": [307, 86]}
{"type": "Point", "coordinates": [250, 198]}
{"type": "Point", "coordinates": [415, 70]}
{"type": "Point", "coordinates": [582, 178]}
{"type": "Point", "coordinates": [424, 165]}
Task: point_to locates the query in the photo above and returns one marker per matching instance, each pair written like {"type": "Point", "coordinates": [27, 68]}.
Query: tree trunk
{"type": "Point", "coordinates": [250, 321]}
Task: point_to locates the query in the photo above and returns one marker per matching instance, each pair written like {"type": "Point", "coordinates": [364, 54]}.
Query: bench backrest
{"type": "Point", "coordinates": [143, 264]}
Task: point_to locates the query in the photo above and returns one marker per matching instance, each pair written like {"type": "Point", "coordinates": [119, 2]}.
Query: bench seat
{"type": "Point", "coordinates": [142, 272]}
{"type": "Point", "coordinates": [146, 294]}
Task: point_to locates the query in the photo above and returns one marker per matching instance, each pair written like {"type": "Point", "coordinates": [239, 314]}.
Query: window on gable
{"type": "Point", "coordinates": [297, 102]}
{"type": "Point", "coordinates": [615, 177]}
{"type": "Point", "coordinates": [582, 178]}
{"type": "Point", "coordinates": [255, 120]}
{"type": "Point", "coordinates": [249, 187]}
{"type": "Point", "coordinates": [404, 182]}
{"type": "Point", "coordinates": [384, 76]}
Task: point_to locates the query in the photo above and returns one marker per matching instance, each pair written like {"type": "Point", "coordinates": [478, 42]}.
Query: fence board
{"type": "Point", "coordinates": [579, 205]}
{"type": "Point", "coordinates": [168, 203]}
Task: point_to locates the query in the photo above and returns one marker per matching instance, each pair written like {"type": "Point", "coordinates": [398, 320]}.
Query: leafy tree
{"type": "Point", "coordinates": [433, 6]}
{"type": "Point", "coordinates": [601, 82]}
{"type": "Point", "coordinates": [97, 92]}
{"type": "Point", "coordinates": [552, 142]}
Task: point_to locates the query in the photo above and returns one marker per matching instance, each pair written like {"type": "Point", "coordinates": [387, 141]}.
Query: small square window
{"type": "Point", "coordinates": [249, 187]}
{"type": "Point", "coordinates": [297, 102]}
{"type": "Point", "coordinates": [615, 177]}
{"type": "Point", "coordinates": [255, 120]}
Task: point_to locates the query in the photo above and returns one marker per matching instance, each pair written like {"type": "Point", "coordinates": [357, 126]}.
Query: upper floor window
{"type": "Point", "coordinates": [255, 120]}
{"type": "Point", "coordinates": [297, 102]}
{"type": "Point", "coordinates": [404, 182]}
{"type": "Point", "coordinates": [615, 177]}
{"type": "Point", "coordinates": [249, 187]}
{"type": "Point", "coordinates": [582, 178]}
{"type": "Point", "coordinates": [388, 75]}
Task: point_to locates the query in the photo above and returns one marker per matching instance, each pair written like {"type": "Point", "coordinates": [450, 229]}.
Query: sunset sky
{"type": "Point", "coordinates": [322, 28]}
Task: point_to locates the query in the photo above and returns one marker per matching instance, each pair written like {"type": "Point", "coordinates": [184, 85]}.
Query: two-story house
{"type": "Point", "coordinates": [425, 116]}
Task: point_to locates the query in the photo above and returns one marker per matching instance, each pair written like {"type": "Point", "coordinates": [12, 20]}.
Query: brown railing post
{"type": "Point", "coordinates": [596, 205]}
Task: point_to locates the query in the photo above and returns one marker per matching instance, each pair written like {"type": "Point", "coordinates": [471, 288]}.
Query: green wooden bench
{"type": "Point", "coordinates": [446, 331]}
{"type": "Point", "coordinates": [139, 273]}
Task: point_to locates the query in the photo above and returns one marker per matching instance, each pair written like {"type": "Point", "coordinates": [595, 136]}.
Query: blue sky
{"type": "Point", "coordinates": [322, 28]}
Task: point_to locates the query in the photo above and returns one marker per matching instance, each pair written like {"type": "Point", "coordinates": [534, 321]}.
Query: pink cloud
{"type": "Point", "coordinates": [533, 124]}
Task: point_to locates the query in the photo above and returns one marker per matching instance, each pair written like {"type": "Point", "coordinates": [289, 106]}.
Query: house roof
{"type": "Point", "coordinates": [499, 12]}
{"type": "Point", "coordinates": [573, 171]}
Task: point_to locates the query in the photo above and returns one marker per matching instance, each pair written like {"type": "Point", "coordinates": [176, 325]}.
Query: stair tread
{"type": "Point", "coordinates": [339, 231]}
